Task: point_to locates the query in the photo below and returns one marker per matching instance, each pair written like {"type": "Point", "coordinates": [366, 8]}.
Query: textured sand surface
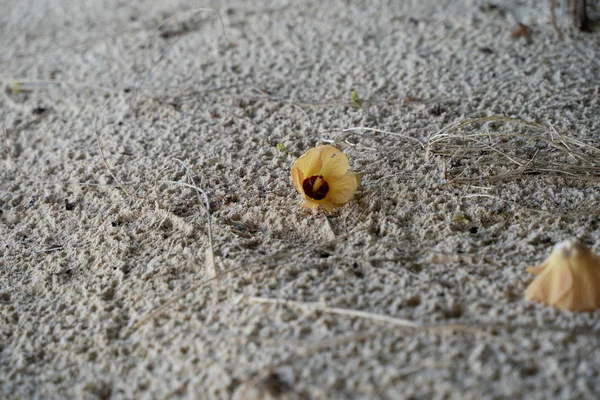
{"type": "Point", "coordinates": [439, 234]}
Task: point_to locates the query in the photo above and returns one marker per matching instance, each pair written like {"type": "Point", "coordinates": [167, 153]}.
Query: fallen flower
{"type": "Point", "coordinates": [569, 279]}
{"type": "Point", "coordinates": [322, 176]}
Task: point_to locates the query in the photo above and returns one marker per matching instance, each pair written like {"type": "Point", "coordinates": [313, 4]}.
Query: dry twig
{"type": "Point", "coordinates": [553, 17]}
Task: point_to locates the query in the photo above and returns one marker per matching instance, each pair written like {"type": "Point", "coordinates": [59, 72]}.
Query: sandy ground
{"type": "Point", "coordinates": [440, 233]}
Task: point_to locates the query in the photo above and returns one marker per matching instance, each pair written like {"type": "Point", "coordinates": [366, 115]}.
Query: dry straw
{"type": "Point", "coordinates": [494, 154]}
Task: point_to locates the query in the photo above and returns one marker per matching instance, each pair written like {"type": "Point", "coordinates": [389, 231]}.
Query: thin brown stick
{"type": "Point", "coordinates": [553, 17]}
{"type": "Point", "coordinates": [579, 14]}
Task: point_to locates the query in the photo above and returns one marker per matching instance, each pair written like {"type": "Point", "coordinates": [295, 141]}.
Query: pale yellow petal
{"type": "Point", "coordinates": [297, 178]}
{"type": "Point", "coordinates": [327, 206]}
{"type": "Point", "coordinates": [569, 279]}
{"type": "Point", "coordinates": [341, 189]}
{"type": "Point", "coordinates": [551, 286]}
{"type": "Point", "coordinates": [309, 204]}
{"type": "Point", "coordinates": [334, 162]}
{"type": "Point", "coordinates": [356, 176]}
{"type": "Point", "coordinates": [584, 295]}
{"type": "Point", "coordinates": [306, 166]}
{"type": "Point", "coordinates": [324, 204]}
{"type": "Point", "coordinates": [537, 269]}
{"type": "Point", "coordinates": [586, 287]}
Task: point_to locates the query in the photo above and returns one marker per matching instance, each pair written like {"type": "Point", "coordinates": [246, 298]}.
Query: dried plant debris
{"type": "Point", "coordinates": [521, 31]}
{"type": "Point", "coordinates": [578, 11]}
{"type": "Point", "coordinates": [569, 279]}
{"type": "Point", "coordinates": [498, 148]}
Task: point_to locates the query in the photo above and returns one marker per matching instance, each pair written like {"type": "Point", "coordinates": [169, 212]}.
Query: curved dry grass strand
{"type": "Point", "coordinates": [555, 154]}
{"type": "Point", "coordinates": [358, 129]}
{"type": "Point", "coordinates": [210, 254]}
{"type": "Point", "coordinates": [96, 133]}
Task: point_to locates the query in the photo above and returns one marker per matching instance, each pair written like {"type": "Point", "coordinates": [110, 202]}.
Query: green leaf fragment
{"type": "Point", "coordinates": [460, 217]}
{"type": "Point", "coordinates": [14, 87]}
{"type": "Point", "coordinates": [282, 148]}
{"type": "Point", "coordinates": [355, 99]}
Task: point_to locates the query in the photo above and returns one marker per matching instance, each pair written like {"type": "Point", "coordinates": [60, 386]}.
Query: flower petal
{"type": "Point", "coordinates": [327, 206]}
{"type": "Point", "coordinates": [309, 204]}
{"type": "Point", "coordinates": [356, 176]}
{"type": "Point", "coordinates": [334, 162]}
{"type": "Point", "coordinates": [310, 163]}
{"type": "Point", "coordinates": [537, 270]}
{"type": "Point", "coordinates": [297, 178]}
{"type": "Point", "coordinates": [569, 279]}
{"type": "Point", "coordinates": [550, 287]}
{"type": "Point", "coordinates": [306, 166]}
{"type": "Point", "coordinates": [324, 204]}
{"type": "Point", "coordinates": [341, 189]}
{"type": "Point", "coordinates": [585, 294]}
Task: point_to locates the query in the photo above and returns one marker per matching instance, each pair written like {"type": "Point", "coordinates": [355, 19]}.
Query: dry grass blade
{"type": "Point", "coordinates": [102, 152]}
{"type": "Point", "coordinates": [374, 130]}
{"type": "Point", "coordinates": [378, 318]}
{"type": "Point", "coordinates": [553, 18]}
{"type": "Point", "coordinates": [210, 252]}
{"type": "Point", "coordinates": [397, 322]}
{"type": "Point", "coordinates": [444, 132]}
{"type": "Point", "coordinates": [273, 257]}
{"type": "Point", "coordinates": [503, 153]}
{"type": "Point", "coordinates": [33, 84]}
{"type": "Point", "coordinates": [334, 310]}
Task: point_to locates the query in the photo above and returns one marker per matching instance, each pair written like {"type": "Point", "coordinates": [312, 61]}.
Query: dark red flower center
{"type": "Point", "coordinates": [315, 187]}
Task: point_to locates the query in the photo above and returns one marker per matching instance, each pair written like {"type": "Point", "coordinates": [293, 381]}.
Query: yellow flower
{"type": "Point", "coordinates": [322, 176]}
{"type": "Point", "coordinates": [569, 279]}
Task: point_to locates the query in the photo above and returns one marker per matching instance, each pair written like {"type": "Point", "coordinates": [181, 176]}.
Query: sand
{"type": "Point", "coordinates": [440, 233]}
